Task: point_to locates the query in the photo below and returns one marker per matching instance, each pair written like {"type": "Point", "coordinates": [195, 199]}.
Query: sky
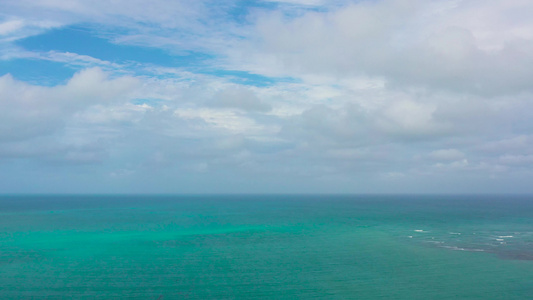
{"type": "Point", "coordinates": [266, 96]}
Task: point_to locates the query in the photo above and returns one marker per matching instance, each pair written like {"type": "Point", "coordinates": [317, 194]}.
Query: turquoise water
{"type": "Point", "coordinates": [266, 247]}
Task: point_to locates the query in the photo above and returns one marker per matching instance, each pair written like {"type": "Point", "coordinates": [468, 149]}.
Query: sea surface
{"type": "Point", "coordinates": [266, 247]}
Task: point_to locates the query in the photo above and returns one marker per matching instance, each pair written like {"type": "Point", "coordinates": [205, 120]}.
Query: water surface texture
{"type": "Point", "coordinates": [266, 247]}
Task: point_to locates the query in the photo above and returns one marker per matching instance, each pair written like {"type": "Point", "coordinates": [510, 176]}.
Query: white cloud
{"type": "Point", "coordinates": [29, 110]}
{"type": "Point", "coordinates": [411, 119]}
{"type": "Point", "coordinates": [408, 90]}
{"type": "Point", "coordinates": [454, 165]}
{"type": "Point", "coordinates": [177, 26]}
{"type": "Point", "coordinates": [519, 160]}
{"type": "Point", "coordinates": [300, 2]}
{"type": "Point", "coordinates": [463, 46]}
{"type": "Point", "coordinates": [518, 144]}
{"type": "Point", "coordinates": [240, 98]}
{"type": "Point", "coordinates": [10, 26]}
{"type": "Point", "coordinates": [226, 120]}
{"type": "Point", "coordinates": [447, 155]}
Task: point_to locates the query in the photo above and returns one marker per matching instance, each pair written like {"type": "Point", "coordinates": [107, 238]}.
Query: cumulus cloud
{"type": "Point", "coordinates": [31, 116]}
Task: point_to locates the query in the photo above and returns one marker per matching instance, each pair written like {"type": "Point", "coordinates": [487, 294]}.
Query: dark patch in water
{"type": "Point", "coordinates": [516, 255]}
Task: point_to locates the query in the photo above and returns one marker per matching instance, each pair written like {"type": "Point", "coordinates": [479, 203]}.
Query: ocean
{"type": "Point", "coordinates": [266, 247]}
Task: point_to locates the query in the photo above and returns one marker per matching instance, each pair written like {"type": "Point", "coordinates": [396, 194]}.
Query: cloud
{"type": "Point", "coordinates": [28, 111]}
{"type": "Point", "coordinates": [346, 96]}
{"type": "Point", "coordinates": [518, 160]}
{"type": "Point", "coordinates": [300, 2]}
{"type": "Point", "coordinates": [454, 165]}
{"type": "Point", "coordinates": [415, 43]}
{"type": "Point", "coordinates": [240, 98]}
{"type": "Point", "coordinates": [447, 155]}
{"type": "Point", "coordinates": [512, 145]}
{"type": "Point", "coordinates": [10, 26]}
{"type": "Point", "coordinates": [408, 118]}
{"type": "Point", "coordinates": [176, 26]}
{"type": "Point", "coordinates": [224, 120]}
{"type": "Point", "coordinates": [321, 124]}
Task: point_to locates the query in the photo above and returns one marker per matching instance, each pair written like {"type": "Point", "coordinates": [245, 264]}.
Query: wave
{"type": "Point", "coordinates": [455, 248]}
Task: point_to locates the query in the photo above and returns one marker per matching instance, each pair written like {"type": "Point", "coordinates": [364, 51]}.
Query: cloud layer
{"type": "Point", "coordinates": [274, 96]}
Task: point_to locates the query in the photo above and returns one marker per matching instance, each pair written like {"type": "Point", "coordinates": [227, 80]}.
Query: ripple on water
{"type": "Point", "coordinates": [506, 245]}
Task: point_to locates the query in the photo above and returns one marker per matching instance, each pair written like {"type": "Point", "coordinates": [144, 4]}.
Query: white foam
{"type": "Point", "coordinates": [457, 233]}
{"type": "Point", "coordinates": [419, 230]}
{"type": "Point", "coordinates": [455, 248]}
{"type": "Point", "coordinates": [505, 236]}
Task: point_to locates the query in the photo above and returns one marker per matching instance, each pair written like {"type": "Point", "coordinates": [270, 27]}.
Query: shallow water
{"type": "Point", "coordinates": [266, 247]}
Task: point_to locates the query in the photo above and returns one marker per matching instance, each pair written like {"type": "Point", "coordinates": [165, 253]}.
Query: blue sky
{"type": "Point", "coordinates": [288, 96]}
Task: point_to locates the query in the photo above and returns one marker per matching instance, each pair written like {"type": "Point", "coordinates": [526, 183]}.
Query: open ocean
{"type": "Point", "coordinates": [266, 247]}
